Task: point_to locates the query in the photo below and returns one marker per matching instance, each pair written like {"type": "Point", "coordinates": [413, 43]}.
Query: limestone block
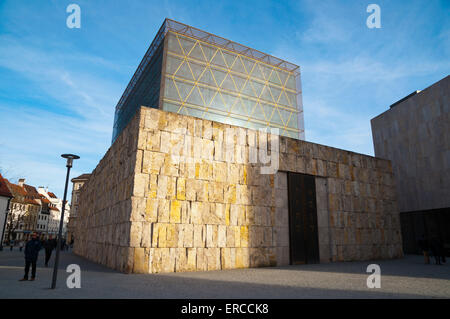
{"type": "Point", "coordinates": [230, 237]}
{"type": "Point", "coordinates": [140, 184]}
{"type": "Point", "coordinates": [226, 258]}
{"type": "Point", "coordinates": [191, 262]}
{"type": "Point", "coordinates": [207, 150]}
{"type": "Point", "coordinates": [185, 212]}
{"type": "Point", "coordinates": [191, 189]}
{"type": "Point", "coordinates": [237, 236]}
{"type": "Point", "coordinates": [140, 264]}
{"type": "Point", "coordinates": [234, 213]}
{"type": "Point", "coordinates": [175, 211]}
{"type": "Point", "coordinates": [242, 258]}
{"type": "Point", "coordinates": [146, 235]}
{"type": "Point", "coordinates": [162, 231]}
{"type": "Point", "coordinates": [171, 235]}
{"type": "Point", "coordinates": [153, 140]}
{"type": "Point", "coordinates": [233, 171]}
{"type": "Point", "coordinates": [242, 215]}
{"type": "Point", "coordinates": [201, 190]}
{"type": "Point", "coordinates": [135, 234]}
{"type": "Point", "coordinates": [199, 236]}
{"type": "Point", "coordinates": [188, 235]}
{"type": "Point", "coordinates": [230, 194]}
{"type": "Point", "coordinates": [163, 181]}
{"type": "Point", "coordinates": [213, 258]}
{"type": "Point", "coordinates": [163, 210]}
{"type": "Point", "coordinates": [202, 263]}
{"type": "Point", "coordinates": [244, 236]}
{"type": "Point", "coordinates": [181, 260]}
{"type": "Point", "coordinates": [215, 192]}
{"type": "Point", "coordinates": [211, 236]}
{"type": "Point", "coordinates": [197, 212]}
{"type": "Point", "coordinates": [138, 207]}
{"type": "Point", "coordinates": [220, 172]}
{"type": "Point", "coordinates": [165, 142]}
{"type": "Point", "coordinates": [222, 236]}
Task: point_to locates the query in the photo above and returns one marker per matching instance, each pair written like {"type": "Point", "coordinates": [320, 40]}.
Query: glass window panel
{"type": "Point", "coordinates": [238, 108]}
{"type": "Point", "coordinates": [276, 93]}
{"type": "Point", "coordinates": [285, 115]}
{"type": "Point", "coordinates": [170, 91]}
{"type": "Point", "coordinates": [184, 71]}
{"type": "Point", "coordinates": [238, 67]}
{"type": "Point", "coordinates": [239, 82]}
{"type": "Point", "coordinates": [186, 44]}
{"type": "Point", "coordinates": [292, 99]}
{"type": "Point", "coordinates": [248, 65]}
{"type": "Point", "coordinates": [197, 53]}
{"type": "Point", "coordinates": [248, 105]}
{"type": "Point", "coordinates": [257, 73]}
{"type": "Point", "coordinates": [207, 95]}
{"type": "Point", "coordinates": [247, 89]}
{"type": "Point", "coordinates": [228, 83]}
{"type": "Point", "coordinates": [229, 58]}
{"type": "Point", "coordinates": [274, 77]}
{"type": "Point", "coordinates": [207, 78]}
{"type": "Point", "coordinates": [293, 121]}
{"type": "Point", "coordinates": [195, 98]}
{"type": "Point", "coordinates": [208, 51]}
{"type": "Point", "coordinates": [218, 60]}
{"type": "Point", "coordinates": [229, 101]}
{"type": "Point", "coordinates": [283, 77]}
{"type": "Point", "coordinates": [266, 94]}
{"type": "Point", "coordinates": [170, 107]}
{"type": "Point", "coordinates": [183, 89]}
{"type": "Point", "coordinates": [283, 99]}
{"type": "Point", "coordinates": [217, 102]}
{"type": "Point", "coordinates": [291, 83]}
{"type": "Point", "coordinates": [172, 64]}
{"type": "Point", "coordinates": [258, 113]}
{"type": "Point", "coordinates": [197, 69]}
{"type": "Point", "coordinates": [258, 87]}
{"type": "Point", "coordinates": [173, 44]}
{"type": "Point", "coordinates": [265, 71]}
{"type": "Point", "coordinates": [195, 112]}
{"type": "Point", "coordinates": [219, 76]}
{"type": "Point", "coordinates": [276, 118]}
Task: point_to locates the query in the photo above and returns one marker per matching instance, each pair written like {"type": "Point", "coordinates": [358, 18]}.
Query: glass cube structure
{"type": "Point", "coordinates": [192, 72]}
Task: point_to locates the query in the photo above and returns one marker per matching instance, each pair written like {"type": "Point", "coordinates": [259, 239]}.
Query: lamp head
{"type": "Point", "coordinates": [70, 158]}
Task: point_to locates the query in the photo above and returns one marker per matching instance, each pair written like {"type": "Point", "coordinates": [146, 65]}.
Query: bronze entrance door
{"type": "Point", "coordinates": [303, 235]}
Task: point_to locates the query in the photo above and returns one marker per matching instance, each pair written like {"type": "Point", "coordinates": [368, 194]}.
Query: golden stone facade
{"type": "Point", "coordinates": [144, 210]}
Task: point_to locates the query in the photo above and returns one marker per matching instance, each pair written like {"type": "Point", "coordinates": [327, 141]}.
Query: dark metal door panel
{"type": "Point", "coordinates": [303, 231]}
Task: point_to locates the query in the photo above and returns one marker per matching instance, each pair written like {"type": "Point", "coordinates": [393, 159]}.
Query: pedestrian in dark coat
{"type": "Point", "coordinates": [436, 250]}
{"type": "Point", "coordinates": [49, 245]}
{"type": "Point", "coordinates": [424, 246]}
{"type": "Point", "coordinates": [31, 255]}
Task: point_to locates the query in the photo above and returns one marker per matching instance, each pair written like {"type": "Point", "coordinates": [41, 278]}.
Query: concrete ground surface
{"type": "Point", "coordinates": [408, 277]}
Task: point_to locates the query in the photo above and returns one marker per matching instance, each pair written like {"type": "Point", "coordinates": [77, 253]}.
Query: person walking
{"type": "Point", "coordinates": [21, 244]}
{"type": "Point", "coordinates": [11, 244]}
{"type": "Point", "coordinates": [436, 250]}
{"type": "Point", "coordinates": [31, 255]}
{"type": "Point", "coordinates": [49, 245]}
{"type": "Point", "coordinates": [423, 244]}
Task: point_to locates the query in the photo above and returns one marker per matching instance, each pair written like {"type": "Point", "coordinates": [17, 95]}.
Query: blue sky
{"type": "Point", "coordinates": [59, 86]}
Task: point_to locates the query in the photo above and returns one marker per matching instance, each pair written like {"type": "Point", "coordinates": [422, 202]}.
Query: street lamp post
{"type": "Point", "coordinates": [70, 158]}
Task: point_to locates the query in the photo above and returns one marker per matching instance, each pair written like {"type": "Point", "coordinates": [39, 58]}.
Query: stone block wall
{"type": "Point", "coordinates": [146, 210]}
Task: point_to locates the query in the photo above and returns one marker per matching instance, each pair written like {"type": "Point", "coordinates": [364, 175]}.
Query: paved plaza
{"type": "Point", "coordinates": [408, 277]}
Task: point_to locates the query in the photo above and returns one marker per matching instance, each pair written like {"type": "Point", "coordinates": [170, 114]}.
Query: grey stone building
{"type": "Point", "coordinates": [415, 135]}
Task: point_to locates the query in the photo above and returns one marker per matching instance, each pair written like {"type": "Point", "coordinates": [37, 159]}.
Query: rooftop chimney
{"type": "Point", "coordinates": [21, 181]}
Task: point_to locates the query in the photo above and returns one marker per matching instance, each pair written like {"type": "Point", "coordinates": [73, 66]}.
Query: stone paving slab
{"type": "Point", "coordinates": [401, 278]}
